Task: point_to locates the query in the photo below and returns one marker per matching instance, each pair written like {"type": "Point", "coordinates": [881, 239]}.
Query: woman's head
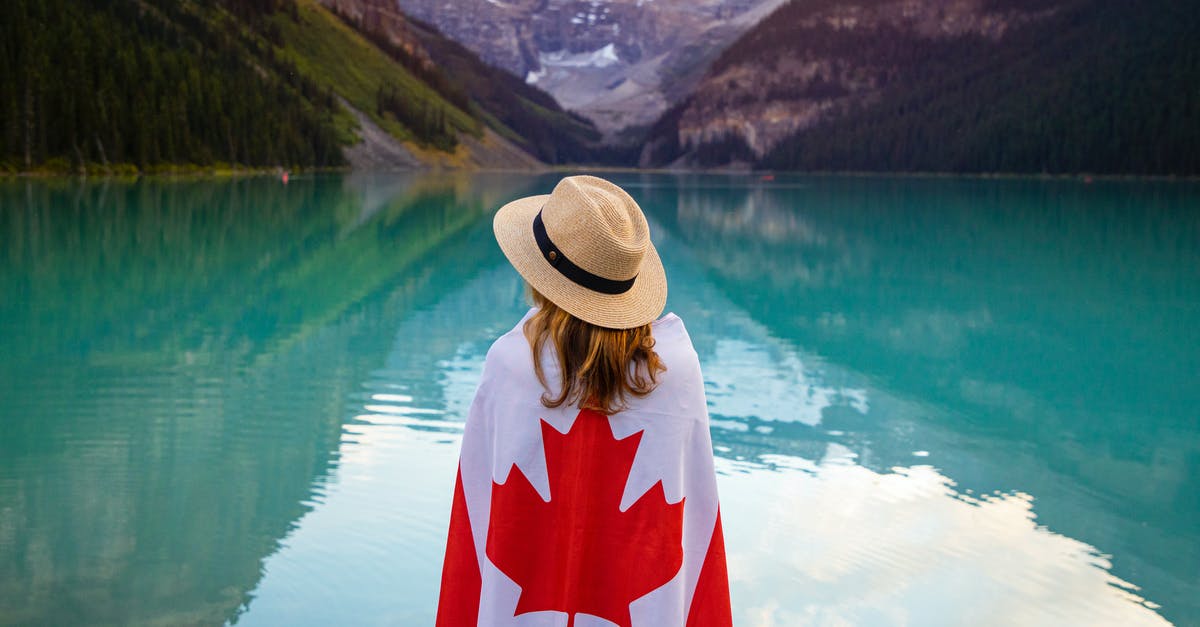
{"type": "Point", "coordinates": [586, 247]}
{"type": "Point", "coordinates": [600, 367]}
{"type": "Point", "coordinates": [593, 272]}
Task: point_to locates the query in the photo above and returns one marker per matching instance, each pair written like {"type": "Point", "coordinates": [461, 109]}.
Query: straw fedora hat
{"type": "Point", "coordinates": [586, 247]}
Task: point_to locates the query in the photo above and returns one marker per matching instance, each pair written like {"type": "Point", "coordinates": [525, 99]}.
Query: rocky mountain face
{"type": "Point", "coordinates": [381, 17]}
{"type": "Point", "coordinates": [520, 117]}
{"type": "Point", "coordinates": [1032, 86]}
{"type": "Point", "coordinates": [810, 61]}
{"type": "Point", "coordinates": [620, 63]}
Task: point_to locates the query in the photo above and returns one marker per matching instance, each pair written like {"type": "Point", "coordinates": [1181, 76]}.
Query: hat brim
{"type": "Point", "coordinates": [640, 305]}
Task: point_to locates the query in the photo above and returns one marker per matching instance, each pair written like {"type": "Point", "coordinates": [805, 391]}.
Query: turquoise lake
{"type": "Point", "coordinates": [933, 401]}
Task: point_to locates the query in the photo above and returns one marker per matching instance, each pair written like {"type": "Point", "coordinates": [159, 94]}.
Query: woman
{"type": "Point", "coordinates": [586, 493]}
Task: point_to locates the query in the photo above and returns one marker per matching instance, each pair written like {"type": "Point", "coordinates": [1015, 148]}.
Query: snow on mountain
{"type": "Point", "coordinates": [620, 63]}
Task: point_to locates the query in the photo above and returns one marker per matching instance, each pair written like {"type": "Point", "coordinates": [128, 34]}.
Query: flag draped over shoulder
{"type": "Point", "coordinates": [569, 517]}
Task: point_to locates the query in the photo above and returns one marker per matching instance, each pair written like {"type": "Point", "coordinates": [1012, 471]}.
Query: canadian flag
{"type": "Point", "coordinates": [569, 517]}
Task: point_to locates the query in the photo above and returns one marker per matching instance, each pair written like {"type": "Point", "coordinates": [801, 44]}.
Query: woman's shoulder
{"type": "Point", "coordinates": [680, 389]}
{"type": "Point", "coordinates": [511, 350]}
{"type": "Point", "coordinates": [672, 342]}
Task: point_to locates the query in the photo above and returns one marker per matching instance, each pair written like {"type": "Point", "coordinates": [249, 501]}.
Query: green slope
{"type": "Point", "coordinates": [337, 57]}
{"type": "Point", "coordinates": [524, 114]}
{"type": "Point", "coordinates": [145, 85]}
{"type": "Point", "coordinates": [120, 85]}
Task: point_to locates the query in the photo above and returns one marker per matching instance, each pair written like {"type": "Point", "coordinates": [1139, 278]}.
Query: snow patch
{"type": "Point", "coordinates": [604, 57]}
{"type": "Point", "coordinates": [534, 76]}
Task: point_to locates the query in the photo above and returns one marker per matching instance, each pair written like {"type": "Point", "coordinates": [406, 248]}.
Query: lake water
{"type": "Point", "coordinates": [933, 401]}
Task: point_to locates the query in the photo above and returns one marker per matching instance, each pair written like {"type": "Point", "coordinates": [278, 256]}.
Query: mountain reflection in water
{"type": "Point", "coordinates": [1028, 337]}
{"type": "Point", "coordinates": [933, 400]}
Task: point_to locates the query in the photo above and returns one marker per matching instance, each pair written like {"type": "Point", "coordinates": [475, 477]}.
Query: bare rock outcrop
{"type": "Point", "coordinates": [801, 66]}
{"type": "Point", "coordinates": [620, 63]}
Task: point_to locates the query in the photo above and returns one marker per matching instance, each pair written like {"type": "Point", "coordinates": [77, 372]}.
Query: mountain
{"type": "Point", "coordinates": [1033, 86]}
{"type": "Point", "coordinates": [127, 86]}
{"type": "Point", "coordinates": [619, 63]}
{"type": "Point", "coordinates": [523, 116]}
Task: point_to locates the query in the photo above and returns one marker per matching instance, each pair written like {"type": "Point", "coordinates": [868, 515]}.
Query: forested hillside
{"type": "Point", "coordinates": [392, 87]}
{"type": "Point", "coordinates": [1035, 86]}
{"type": "Point", "coordinates": [523, 114]}
{"type": "Point", "coordinates": [1029, 86]}
{"type": "Point", "coordinates": [149, 85]}
{"type": "Point", "coordinates": [1102, 87]}
{"type": "Point", "coordinates": [112, 82]}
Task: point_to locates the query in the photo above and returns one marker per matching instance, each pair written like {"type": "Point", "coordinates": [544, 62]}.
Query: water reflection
{"type": "Point", "coordinates": [904, 547]}
{"type": "Point", "coordinates": [933, 401]}
{"type": "Point", "coordinates": [846, 514]}
{"type": "Point", "coordinates": [383, 531]}
{"type": "Point", "coordinates": [176, 357]}
{"type": "Point", "coordinates": [1031, 337]}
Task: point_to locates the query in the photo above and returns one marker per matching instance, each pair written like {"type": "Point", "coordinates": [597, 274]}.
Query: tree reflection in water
{"type": "Point", "coordinates": [176, 359]}
{"type": "Point", "coordinates": [931, 398]}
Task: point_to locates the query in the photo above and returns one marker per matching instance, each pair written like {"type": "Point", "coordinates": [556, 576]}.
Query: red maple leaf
{"type": "Point", "coordinates": [579, 553]}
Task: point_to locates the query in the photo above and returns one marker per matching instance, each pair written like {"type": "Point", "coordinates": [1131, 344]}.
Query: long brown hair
{"type": "Point", "coordinates": [601, 368]}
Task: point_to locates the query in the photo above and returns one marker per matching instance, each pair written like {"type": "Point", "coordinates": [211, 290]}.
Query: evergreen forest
{"type": "Point", "coordinates": [123, 86]}
{"type": "Point", "coordinates": [1099, 87]}
{"type": "Point", "coordinates": [114, 84]}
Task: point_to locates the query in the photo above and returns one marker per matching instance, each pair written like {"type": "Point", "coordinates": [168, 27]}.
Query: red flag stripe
{"type": "Point", "coordinates": [710, 603]}
{"type": "Point", "coordinates": [461, 575]}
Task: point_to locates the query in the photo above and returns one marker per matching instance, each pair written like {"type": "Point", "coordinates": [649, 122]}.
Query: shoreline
{"type": "Point", "coordinates": [222, 172]}
{"type": "Point", "coordinates": [166, 172]}
{"type": "Point", "coordinates": [1193, 178]}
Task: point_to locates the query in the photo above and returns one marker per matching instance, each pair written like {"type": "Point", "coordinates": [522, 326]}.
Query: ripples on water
{"type": "Point", "coordinates": [933, 402]}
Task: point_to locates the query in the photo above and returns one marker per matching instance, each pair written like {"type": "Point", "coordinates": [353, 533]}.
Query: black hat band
{"type": "Point", "coordinates": [555, 257]}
